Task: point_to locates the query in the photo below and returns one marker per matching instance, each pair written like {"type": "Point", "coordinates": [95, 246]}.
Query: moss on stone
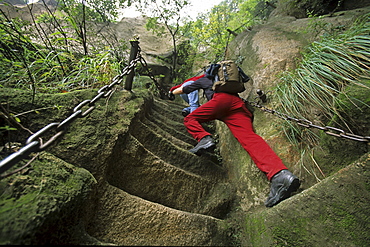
{"type": "Point", "coordinates": [46, 203]}
{"type": "Point", "coordinates": [333, 212]}
{"type": "Point", "coordinates": [47, 192]}
{"type": "Point", "coordinates": [335, 153]}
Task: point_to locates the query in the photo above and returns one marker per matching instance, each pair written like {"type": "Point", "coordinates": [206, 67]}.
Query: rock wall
{"type": "Point", "coordinates": [133, 182]}
{"type": "Point", "coordinates": [121, 176]}
{"type": "Point", "coordinates": [306, 8]}
{"type": "Point", "coordinates": [265, 51]}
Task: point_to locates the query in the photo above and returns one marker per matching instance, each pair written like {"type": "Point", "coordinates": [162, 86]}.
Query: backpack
{"type": "Point", "coordinates": [227, 76]}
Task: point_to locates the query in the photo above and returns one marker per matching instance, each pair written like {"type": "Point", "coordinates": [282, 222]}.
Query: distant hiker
{"type": "Point", "coordinates": [191, 98]}
{"type": "Point", "coordinates": [227, 106]}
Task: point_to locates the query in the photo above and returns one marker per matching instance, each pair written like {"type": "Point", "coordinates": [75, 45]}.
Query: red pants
{"type": "Point", "coordinates": [232, 111]}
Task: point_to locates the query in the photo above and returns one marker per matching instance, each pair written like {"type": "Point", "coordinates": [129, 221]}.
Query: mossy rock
{"type": "Point", "coordinates": [336, 152]}
{"type": "Point", "coordinates": [43, 203]}
{"type": "Point", "coordinates": [334, 212]}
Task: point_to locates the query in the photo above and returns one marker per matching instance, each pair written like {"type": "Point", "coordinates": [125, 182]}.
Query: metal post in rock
{"type": "Point", "coordinates": [133, 54]}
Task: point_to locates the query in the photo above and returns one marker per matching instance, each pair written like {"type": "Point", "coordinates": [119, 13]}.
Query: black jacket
{"type": "Point", "coordinates": [202, 83]}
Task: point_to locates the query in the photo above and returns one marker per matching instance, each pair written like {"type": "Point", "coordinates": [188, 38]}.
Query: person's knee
{"type": "Point", "coordinates": [188, 119]}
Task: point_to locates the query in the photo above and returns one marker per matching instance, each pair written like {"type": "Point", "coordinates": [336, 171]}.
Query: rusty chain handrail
{"type": "Point", "coordinates": [35, 143]}
{"type": "Point", "coordinates": [308, 124]}
{"type": "Point", "coordinates": [151, 75]}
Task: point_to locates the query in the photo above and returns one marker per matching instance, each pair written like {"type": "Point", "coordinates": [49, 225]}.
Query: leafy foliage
{"type": "Point", "coordinates": [49, 54]}
{"type": "Point", "coordinates": [319, 85]}
{"type": "Point", "coordinates": [208, 35]}
{"type": "Point", "coordinates": [165, 17]}
{"type": "Point", "coordinates": [211, 32]}
{"type": "Point", "coordinates": [53, 54]}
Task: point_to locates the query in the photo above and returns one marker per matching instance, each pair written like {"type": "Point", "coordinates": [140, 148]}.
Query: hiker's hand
{"type": "Point", "coordinates": [171, 96]}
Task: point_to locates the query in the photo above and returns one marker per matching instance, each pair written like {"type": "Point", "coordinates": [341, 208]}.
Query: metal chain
{"type": "Point", "coordinates": [308, 124]}
{"type": "Point", "coordinates": [151, 75]}
{"type": "Point", "coordinates": [35, 143]}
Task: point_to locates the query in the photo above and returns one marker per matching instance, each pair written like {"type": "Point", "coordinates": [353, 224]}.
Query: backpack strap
{"type": "Point", "coordinates": [243, 76]}
{"type": "Point", "coordinates": [212, 70]}
{"type": "Point", "coordinates": [226, 75]}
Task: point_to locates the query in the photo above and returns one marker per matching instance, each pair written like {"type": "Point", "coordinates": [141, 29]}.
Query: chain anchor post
{"type": "Point", "coordinates": [133, 55]}
{"type": "Point", "coordinates": [262, 95]}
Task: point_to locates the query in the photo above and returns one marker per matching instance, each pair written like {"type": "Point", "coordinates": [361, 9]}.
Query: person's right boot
{"type": "Point", "coordinates": [185, 112]}
{"type": "Point", "coordinates": [283, 184]}
{"type": "Point", "coordinates": [205, 143]}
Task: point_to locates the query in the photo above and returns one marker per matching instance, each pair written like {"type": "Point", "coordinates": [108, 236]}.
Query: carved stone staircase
{"type": "Point", "coordinates": [158, 193]}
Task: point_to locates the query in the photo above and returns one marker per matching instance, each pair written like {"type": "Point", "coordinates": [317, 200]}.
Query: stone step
{"type": "Point", "coordinates": [179, 139]}
{"type": "Point", "coordinates": [176, 105]}
{"type": "Point", "coordinates": [175, 129]}
{"type": "Point", "coordinates": [169, 109]}
{"type": "Point", "coordinates": [147, 176]}
{"type": "Point", "coordinates": [174, 124]}
{"type": "Point", "coordinates": [124, 219]}
{"type": "Point", "coordinates": [170, 153]}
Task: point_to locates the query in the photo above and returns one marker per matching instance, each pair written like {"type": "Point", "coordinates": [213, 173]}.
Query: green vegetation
{"type": "Point", "coordinates": [60, 50]}
{"type": "Point", "coordinates": [208, 36]}
{"type": "Point", "coordinates": [72, 47]}
{"type": "Point", "coordinates": [318, 89]}
{"type": "Point", "coordinates": [212, 31]}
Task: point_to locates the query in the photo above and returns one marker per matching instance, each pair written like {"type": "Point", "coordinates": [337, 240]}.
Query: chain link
{"type": "Point", "coordinates": [145, 65]}
{"type": "Point", "coordinates": [35, 142]}
{"type": "Point", "coordinates": [308, 124]}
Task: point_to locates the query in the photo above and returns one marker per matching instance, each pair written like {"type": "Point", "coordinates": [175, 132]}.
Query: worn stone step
{"type": "Point", "coordinates": [176, 139]}
{"type": "Point", "coordinates": [170, 130]}
{"type": "Point", "coordinates": [168, 109]}
{"type": "Point", "coordinates": [147, 176]}
{"type": "Point", "coordinates": [175, 121]}
{"type": "Point", "coordinates": [176, 105]}
{"type": "Point", "coordinates": [167, 116]}
{"type": "Point", "coordinates": [176, 129]}
{"type": "Point", "coordinates": [170, 153]}
{"type": "Point", "coordinates": [183, 159]}
{"type": "Point", "coordinates": [124, 219]}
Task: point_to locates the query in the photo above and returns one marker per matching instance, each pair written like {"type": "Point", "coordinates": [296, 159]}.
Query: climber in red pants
{"type": "Point", "coordinates": [231, 109]}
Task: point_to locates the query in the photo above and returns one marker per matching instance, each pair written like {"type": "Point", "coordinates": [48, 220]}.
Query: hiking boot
{"type": "Point", "coordinates": [185, 113]}
{"type": "Point", "coordinates": [282, 185]}
{"type": "Point", "coordinates": [204, 144]}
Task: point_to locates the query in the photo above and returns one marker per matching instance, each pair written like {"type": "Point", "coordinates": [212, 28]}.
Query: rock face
{"type": "Point", "coordinates": [333, 212]}
{"type": "Point", "coordinates": [144, 186]}
{"type": "Point", "coordinates": [123, 175]}
{"type": "Point", "coordinates": [266, 51]}
{"type": "Point", "coordinates": [306, 8]}
{"type": "Point", "coordinates": [155, 48]}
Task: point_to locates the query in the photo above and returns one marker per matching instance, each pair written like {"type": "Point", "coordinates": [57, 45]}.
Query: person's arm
{"type": "Point", "coordinates": [172, 92]}
{"type": "Point", "coordinates": [178, 90]}
{"type": "Point", "coordinates": [175, 87]}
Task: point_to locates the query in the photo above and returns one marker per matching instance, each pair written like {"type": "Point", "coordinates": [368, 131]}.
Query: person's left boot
{"type": "Point", "coordinates": [282, 185]}
{"type": "Point", "coordinates": [205, 143]}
